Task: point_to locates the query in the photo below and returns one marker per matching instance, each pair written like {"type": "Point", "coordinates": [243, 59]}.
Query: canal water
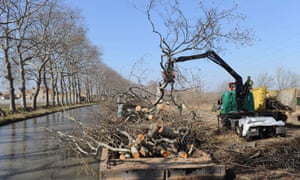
{"type": "Point", "coordinates": [28, 151]}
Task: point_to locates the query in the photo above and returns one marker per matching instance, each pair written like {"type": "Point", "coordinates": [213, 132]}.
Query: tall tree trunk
{"type": "Point", "coordinates": [9, 77]}
{"type": "Point", "coordinates": [87, 89]}
{"type": "Point", "coordinates": [39, 81]}
{"type": "Point", "coordinates": [53, 80]}
{"type": "Point", "coordinates": [77, 96]}
{"type": "Point", "coordinates": [73, 89]}
{"type": "Point", "coordinates": [6, 46]}
{"type": "Point", "coordinates": [62, 91]}
{"type": "Point", "coordinates": [57, 96]}
{"type": "Point", "coordinates": [69, 90]}
{"type": "Point", "coordinates": [22, 78]}
{"type": "Point", "coordinates": [23, 88]}
{"type": "Point", "coordinates": [36, 92]}
{"type": "Point", "coordinates": [79, 90]}
{"type": "Point", "coordinates": [46, 86]}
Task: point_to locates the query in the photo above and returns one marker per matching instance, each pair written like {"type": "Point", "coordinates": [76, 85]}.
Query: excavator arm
{"type": "Point", "coordinates": [241, 90]}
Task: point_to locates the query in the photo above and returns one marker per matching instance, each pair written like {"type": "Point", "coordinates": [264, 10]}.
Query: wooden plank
{"type": "Point", "coordinates": [155, 163]}
{"type": "Point", "coordinates": [212, 171]}
{"type": "Point", "coordinates": [160, 168]}
{"type": "Point", "coordinates": [152, 174]}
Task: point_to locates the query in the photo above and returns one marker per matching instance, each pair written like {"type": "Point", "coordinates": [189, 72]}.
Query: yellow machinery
{"type": "Point", "coordinates": [277, 100]}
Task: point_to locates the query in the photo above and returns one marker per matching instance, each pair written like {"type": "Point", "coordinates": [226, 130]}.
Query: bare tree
{"type": "Point", "coordinates": [8, 29]}
{"type": "Point", "coordinates": [264, 79]}
{"type": "Point", "coordinates": [89, 70]}
{"type": "Point", "coordinates": [139, 71]}
{"type": "Point", "coordinates": [23, 45]}
{"type": "Point", "coordinates": [179, 34]}
{"type": "Point", "coordinates": [16, 27]}
{"type": "Point", "coordinates": [287, 79]}
{"type": "Point", "coordinates": [54, 29]}
{"type": "Point", "coordinates": [61, 24]}
{"type": "Point", "coordinates": [109, 82]}
{"type": "Point", "coordinates": [42, 37]}
{"type": "Point", "coordinates": [189, 79]}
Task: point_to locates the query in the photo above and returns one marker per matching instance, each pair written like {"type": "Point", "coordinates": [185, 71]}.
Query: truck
{"type": "Point", "coordinates": [248, 114]}
{"type": "Point", "coordinates": [270, 108]}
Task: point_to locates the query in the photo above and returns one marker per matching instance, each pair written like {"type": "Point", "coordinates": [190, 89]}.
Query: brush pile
{"type": "Point", "coordinates": [141, 131]}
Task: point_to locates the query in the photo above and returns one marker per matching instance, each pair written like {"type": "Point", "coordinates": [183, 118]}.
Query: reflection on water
{"type": "Point", "coordinates": [27, 151]}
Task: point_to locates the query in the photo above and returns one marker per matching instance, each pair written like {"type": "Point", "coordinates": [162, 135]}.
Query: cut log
{"type": "Point", "coordinates": [122, 157]}
{"type": "Point", "coordinates": [140, 138]}
{"type": "Point", "coordinates": [153, 128]}
{"type": "Point", "coordinates": [150, 117]}
{"type": "Point", "coordinates": [144, 151]}
{"type": "Point", "coordinates": [183, 154]}
{"type": "Point", "coordinates": [134, 152]}
{"type": "Point", "coordinates": [165, 153]}
{"type": "Point", "coordinates": [138, 108]}
{"type": "Point", "coordinates": [167, 132]}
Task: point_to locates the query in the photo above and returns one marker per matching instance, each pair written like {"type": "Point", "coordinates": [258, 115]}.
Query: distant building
{"type": "Point", "coordinates": [4, 96]}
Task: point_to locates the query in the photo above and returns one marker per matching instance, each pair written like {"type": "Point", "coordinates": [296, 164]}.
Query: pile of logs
{"type": "Point", "coordinates": [157, 139]}
{"type": "Point", "coordinates": [274, 104]}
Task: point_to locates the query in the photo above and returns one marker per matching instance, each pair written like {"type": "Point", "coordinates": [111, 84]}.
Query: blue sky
{"type": "Point", "coordinates": [125, 36]}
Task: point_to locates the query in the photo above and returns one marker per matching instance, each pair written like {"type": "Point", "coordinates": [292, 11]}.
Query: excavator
{"type": "Point", "coordinates": [238, 111]}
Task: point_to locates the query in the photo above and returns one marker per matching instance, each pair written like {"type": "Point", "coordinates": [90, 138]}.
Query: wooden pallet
{"type": "Point", "coordinates": [158, 168]}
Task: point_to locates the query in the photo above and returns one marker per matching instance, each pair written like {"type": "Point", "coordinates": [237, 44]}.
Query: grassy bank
{"type": "Point", "coordinates": [40, 111]}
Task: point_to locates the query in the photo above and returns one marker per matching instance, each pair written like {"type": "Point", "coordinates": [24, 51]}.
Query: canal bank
{"type": "Point", "coordinates": [40, 111]}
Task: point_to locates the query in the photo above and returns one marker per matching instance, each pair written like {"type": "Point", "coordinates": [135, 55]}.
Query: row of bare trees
{"type": "Point", "coordinates": [282, 79]}
{"type": "Point", "coordinates": [44, 44]}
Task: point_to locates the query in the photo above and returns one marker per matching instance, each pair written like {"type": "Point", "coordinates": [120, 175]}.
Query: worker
{"type": "Point", "coordinates": [231, 86]}
{"type": "Point", "coordinates": [219, 104]}
{"type": "Point", "coordinates": [249, 82]}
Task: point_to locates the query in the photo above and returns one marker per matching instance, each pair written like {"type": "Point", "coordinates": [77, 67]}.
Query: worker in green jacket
{"type": "Point", "coordinates": [249, 82]}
